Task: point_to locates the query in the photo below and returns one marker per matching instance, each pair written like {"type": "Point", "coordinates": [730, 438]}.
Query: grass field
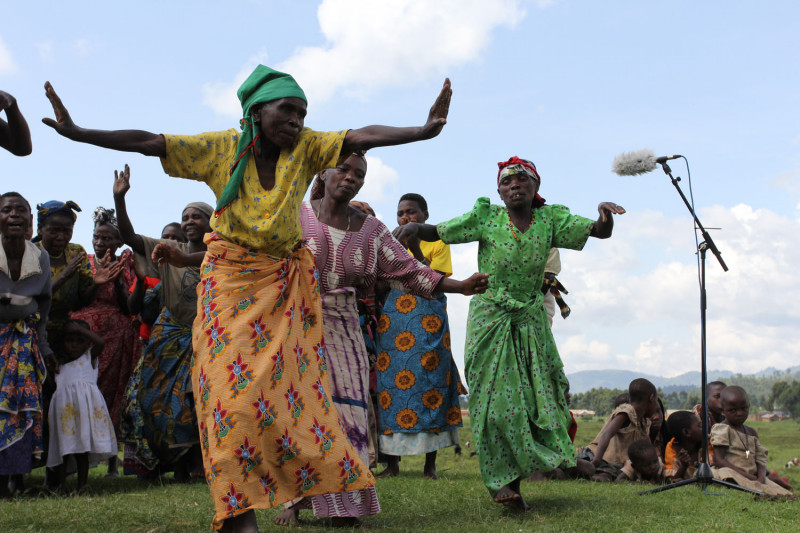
{"type": "Point", "coordinates": [456, 502]}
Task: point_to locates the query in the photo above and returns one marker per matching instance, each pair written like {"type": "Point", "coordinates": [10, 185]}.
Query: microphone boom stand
{"type": "Point", "coordinates": [704, 476]}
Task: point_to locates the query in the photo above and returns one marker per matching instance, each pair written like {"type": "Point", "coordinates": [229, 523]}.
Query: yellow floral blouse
{"type": "Point", "coordinates": [258, 219]}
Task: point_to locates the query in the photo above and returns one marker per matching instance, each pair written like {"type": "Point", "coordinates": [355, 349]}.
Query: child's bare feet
{"type": "Point", "coordinates": [429, 473]}
{"type": "Point", "coordinates": [288, 517]}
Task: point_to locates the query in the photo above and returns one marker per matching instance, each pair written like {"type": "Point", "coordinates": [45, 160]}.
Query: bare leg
{"type": "Point", "coordinates": [83, 470]}
{"type": "Point", "coordinates": [5, 494]}
{"type": "Point", "coordinates": [429, 472]}
{"type": "Point", "coordinates": [392, 466]}
{"type": "Point", "coordinates": [244, 523]}
{"type": "Point", "coordinates": [113, 469]}
{"type": "Point", "coordinates": [289, 516]}
{"type": "Point", "coordinates": [60, 475]}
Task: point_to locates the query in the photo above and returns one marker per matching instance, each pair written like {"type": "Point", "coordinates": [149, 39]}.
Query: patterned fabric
{"type": "Point", "coordinates": [359, 258]}
{"type": "Point", "coordinates": [74, 293]}
{"type": "Point", "coordinates": [515, 376]}
{"type": "Point", "coordinates": [268, 430]}
{"type": "Point", "coordinates": [22, 372]}
{"type": "Point", "coordinates": [122, 348]}
{"type": "Point", "coordinates": [259, 219]}
{"type": "Point", "coordinates": [79, 421]}
{"type": "Point", "coordinates": [746, 454]}
{"type": "Point", "coordinates": [159, 417]}
{"type": "Point", "coordinates": [418, 381]}
{"type": "Point", "coordinates": [348, 365]}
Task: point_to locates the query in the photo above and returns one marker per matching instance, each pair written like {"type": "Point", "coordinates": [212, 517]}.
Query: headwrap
{"type": "Point", "coordinates": [203, 207]}
{"type": "Point", "coordinates": [263, 85]}
{"type": "Point", "coordinates": [515, 165]}
{"type": "Point", "coordinates": [54, 206]}
{"type": "Point", "coordinates": [102, 216]}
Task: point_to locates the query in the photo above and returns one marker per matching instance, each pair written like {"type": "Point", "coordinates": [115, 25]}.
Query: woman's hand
{"type": "Point", "coordinates": [164, 253]}
{"type": "Point", "coordinates": [606, 209]}
{"type": "Point", "coordinates": [407, 233]}
{"type": "Point", "coordinates": [63, 123]}
{"type": "Point", "coordinates": [105, 270]}
{"type": "Point", "coordinates": [51, 363]}
{"type": "Point", "coordinates": [475, 284]}
{"type": "Point", "coordinates": [437, 117]}
{"type": "Point", "coordinates": [122, 182]}
{"type": "Point", "coordinates": [71, 268]}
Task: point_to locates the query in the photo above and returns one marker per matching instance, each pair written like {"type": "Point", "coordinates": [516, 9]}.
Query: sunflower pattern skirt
{"type": "Point", "coordinates": [268, 429]}
{"type": "Point", "coordinates": [418, 381]}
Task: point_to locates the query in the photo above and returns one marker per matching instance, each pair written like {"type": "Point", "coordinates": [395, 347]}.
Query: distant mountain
{"type": "Point", "coordinates": [619, 379]}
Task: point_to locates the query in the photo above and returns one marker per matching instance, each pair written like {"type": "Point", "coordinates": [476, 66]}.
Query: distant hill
{"type": "Point", "coordinates": [619, 379]}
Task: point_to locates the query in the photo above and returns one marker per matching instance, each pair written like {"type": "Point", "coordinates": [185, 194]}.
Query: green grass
{"type": "Point", "coordinates": [457, 502]}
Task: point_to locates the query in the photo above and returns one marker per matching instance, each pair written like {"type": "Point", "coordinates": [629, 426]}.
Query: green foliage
{"type": "Point", "coordinates": [600, 400]}
{"type": "Point", "coordinates": [786, 396]}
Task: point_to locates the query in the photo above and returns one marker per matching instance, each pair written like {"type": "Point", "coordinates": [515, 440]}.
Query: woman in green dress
{"type": "Point", "coordinates": [516, 380]}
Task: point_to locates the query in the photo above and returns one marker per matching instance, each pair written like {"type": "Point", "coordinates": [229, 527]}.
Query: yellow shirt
{"type": "Point", "coordinates": [438, 253]}
{"type": "Point", "coordinates": [259, 219]}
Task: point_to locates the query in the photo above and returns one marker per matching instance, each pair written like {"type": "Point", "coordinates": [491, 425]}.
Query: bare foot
{"type": "Point", "coordinates": [243, 523]}
{"type": "Point", "coordinates": [391, 471]}
{"type": "Point", "coordinates": [288, 517]}
{"type": "Point", "coordinates": [430, 474]}
{"type": "Point", "coordinates": [510, 498]}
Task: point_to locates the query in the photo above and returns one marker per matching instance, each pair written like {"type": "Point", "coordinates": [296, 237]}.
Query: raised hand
{"type": "Point", "coordinates": [606, 209]}
{"type": "Point", "coordinates": [105, 270]}
{"type": "Point", "coordinates": [475, 284]}
{"type": "Point", "coordinates": [73, 266]}
{"type": "Point", "coordinates": [63, 123]}
{"type": "Point", "coordinates": [122, 181]}
{"type": "Point", "coordinates": [6, 101]}
{"type": "Point", "coordinates": [437, 117]}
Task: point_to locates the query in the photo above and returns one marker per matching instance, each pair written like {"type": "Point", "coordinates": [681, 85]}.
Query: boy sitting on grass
{"type": "Point", "coordinates": [643, 464]}
{"type": "Point", "coordinates": [739, 457]}
{"type": "Point", "coordinates": [628, 422]}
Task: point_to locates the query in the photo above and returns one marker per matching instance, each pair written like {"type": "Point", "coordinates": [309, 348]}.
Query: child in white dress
{"type": "Point", "coordinates": [80, 425]}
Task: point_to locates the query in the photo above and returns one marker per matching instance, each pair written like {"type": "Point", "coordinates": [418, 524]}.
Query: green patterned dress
{"type": "Point", "coordinates": [516, 380]}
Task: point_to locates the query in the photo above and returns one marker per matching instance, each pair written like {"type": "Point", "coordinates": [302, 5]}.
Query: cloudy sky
{"type": "Point", "coordinates": [568, 84]}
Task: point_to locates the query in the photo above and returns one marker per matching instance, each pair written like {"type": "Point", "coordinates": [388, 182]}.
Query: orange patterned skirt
{"type": "Point", "coordinates": [268, 429]}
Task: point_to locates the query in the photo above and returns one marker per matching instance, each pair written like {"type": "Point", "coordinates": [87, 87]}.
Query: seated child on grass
{"type": "Point", "coordinates": [80, 426]}
{"type": "Point", "coordinates": [659, 432]}
{"type": "Point", "coordinates": [739, 457]}
{"type": "Point", "coordinates": [683, 452]}
{"type": "Point", "coordinates": [714, 401]}
{"type": "Point", "coordinates": [628, 422]}
{"type": "Point", "coordinates": [643, 464]}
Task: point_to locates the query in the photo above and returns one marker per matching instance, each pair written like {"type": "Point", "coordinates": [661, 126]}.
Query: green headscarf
{"type": "Point", "coordinates": [263, 85]}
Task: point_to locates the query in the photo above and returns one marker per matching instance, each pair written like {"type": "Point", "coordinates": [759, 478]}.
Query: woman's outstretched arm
{"type": "Point", "coordinates": [14, 134]}
{"type": "Point", "coordinates": [604, 224]}
{"type": "Point", "coordinates": [374, 136]}
{"type": "Point", "coordinates": [140, 141]}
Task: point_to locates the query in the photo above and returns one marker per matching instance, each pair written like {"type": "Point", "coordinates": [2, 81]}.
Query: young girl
{"type": "Point", "coordinates": [79, 422]}
{"type": "Point", "coordinates": [738, 455]}
{"type": "Point", "coordinates": [684, 450]}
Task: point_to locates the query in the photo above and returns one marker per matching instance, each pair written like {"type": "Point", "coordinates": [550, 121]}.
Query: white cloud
{"type": "Point", "coordinates": [83, 47]}
{"type": "Point", "coordinates": [7, 64]}
{"type": "Point", "coordinates": [45, 49]}
{"type": "Point", "coordinates": [221, 96]}
{"type": "Point", "coordinates": [380, 183]}
{"type": "Point", "coordinates": [392, 42]}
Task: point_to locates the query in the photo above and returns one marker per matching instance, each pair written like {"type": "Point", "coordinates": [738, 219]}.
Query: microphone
{"type": "Point", "coordinates": [639, 162]}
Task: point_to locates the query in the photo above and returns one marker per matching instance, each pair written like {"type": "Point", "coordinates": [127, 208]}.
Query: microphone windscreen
{"type": "Point", "coordinates": [633, 163]}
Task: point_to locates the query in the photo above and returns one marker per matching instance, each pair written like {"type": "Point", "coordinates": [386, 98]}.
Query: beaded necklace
{"type": "Point", "coordinates": [511, 224]}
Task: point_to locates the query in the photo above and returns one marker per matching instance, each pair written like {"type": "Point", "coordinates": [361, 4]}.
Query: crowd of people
{"type": "Point", "coordinates": [281, 349]}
